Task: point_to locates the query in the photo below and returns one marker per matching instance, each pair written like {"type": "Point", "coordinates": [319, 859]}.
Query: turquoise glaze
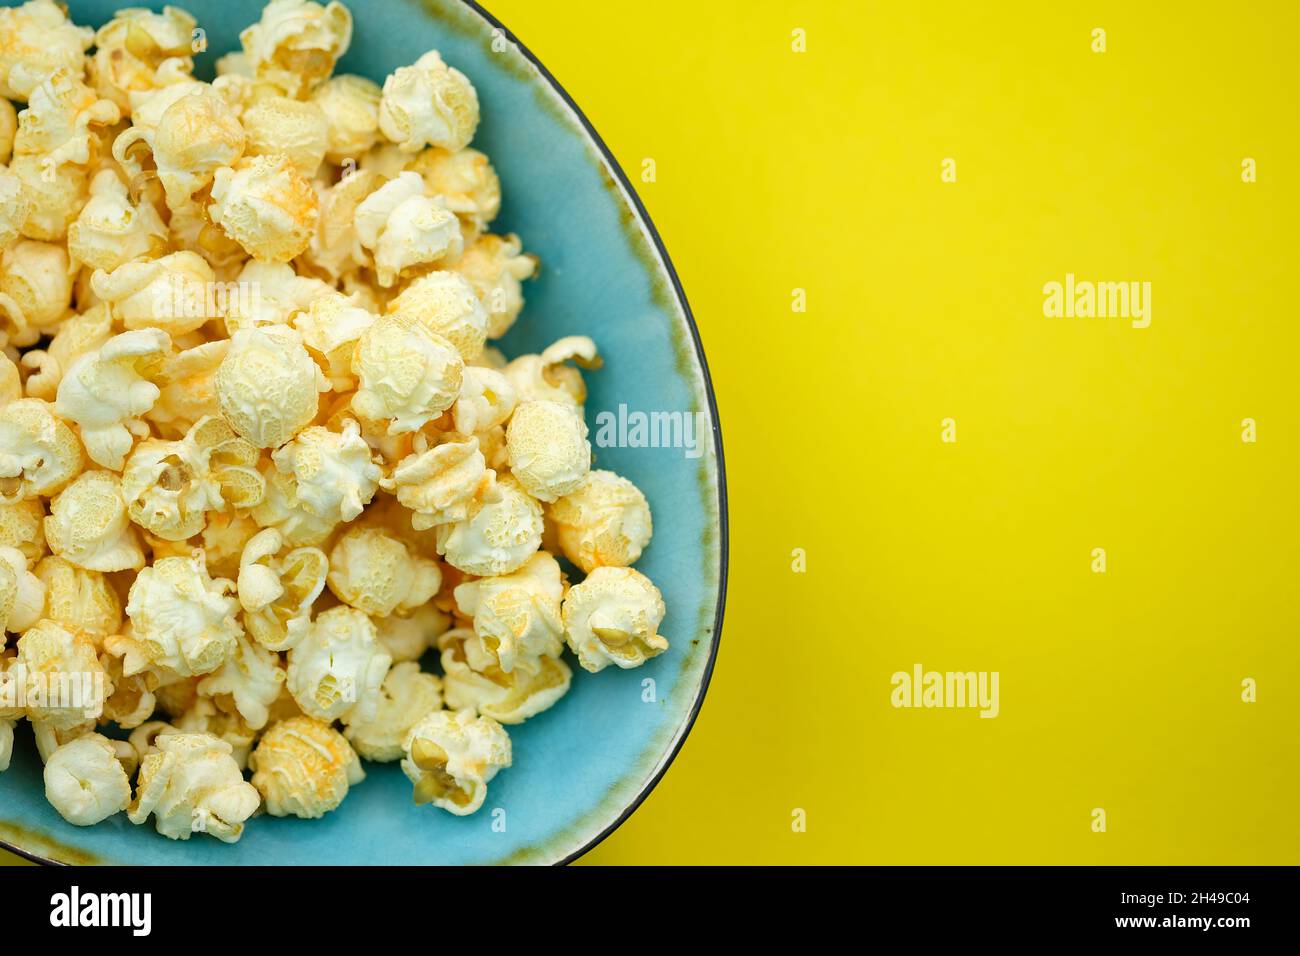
{"type": "Point", "coordinates": [582, 766]}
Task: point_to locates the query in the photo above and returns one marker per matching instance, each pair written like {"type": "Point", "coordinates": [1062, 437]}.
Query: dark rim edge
{"type": "Point", "coordinates": [723, 532]}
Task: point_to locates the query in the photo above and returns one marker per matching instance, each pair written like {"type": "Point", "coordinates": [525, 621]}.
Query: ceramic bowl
{"type": "Point", "coordinates": [582, 767]}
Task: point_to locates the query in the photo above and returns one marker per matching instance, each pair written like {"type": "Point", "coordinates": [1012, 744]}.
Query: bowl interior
{"type": "Point", "coordinates": [579, 767]}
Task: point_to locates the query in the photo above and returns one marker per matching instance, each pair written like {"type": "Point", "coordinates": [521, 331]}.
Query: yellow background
{"type": "Point", "coordinates": [821, 170]}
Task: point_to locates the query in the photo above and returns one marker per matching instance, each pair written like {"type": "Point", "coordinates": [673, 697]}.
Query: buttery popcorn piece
{"type": "Point", "coordinates": [282, 510]}
{"type": "Point", "coordinates": [303, 768]}
{"type": "Point", "coordinates": [35, 290]}
{"type": "Point", "coordinates": [38, 39]}
{"type": "Point", "coordinates": [451, 756]}
{"type": "Point", "coordinates": [517, 615]}
{"type": "Point", "coordinates": [472, 679]}
{"type": "Point", "coordinates": [111, 230]}
{"type": "Point", "coordinates": [407, 638]}
{"type": "Point", "coordinates": [64, 666]}
{"type": "Point", "coordinates": [612, 617]}
{"type": "Point", "coordinates": [56, 125]}
{"type": "Point", "coordinates": [501, 532]}
{"type": "Point", "coordinates": [336, 670]}
{"type": "Point", "coordinates": [334, 471]}
{"type": "Point", "coordinates": [79, 599]}
{"type": "Point", "coordinates": [22, 526]}
{"type": "Point", "coordinates": [278, 125]}
{"type": "Point", "coordinates": [192, 784]}
{"type": "Point", "coordinates": [296, 44]}
{"type": "Point", "coordinates": [404, 698]}
{"type": "Point", "coordinates": [187, 384]}
{"type": "Point", "coordinates": [170, 293]}
{"type": "Point", "coordinates": [408, 375]}
{"type": "Point", "coordinates": [487, 400]}
{"type": "Point", "coordinates": [182, 619]}
{"type": "Point", "coordinates": [351, 108]}
{"type": "Point", "coordinates": [77, 336]}
{"type": "Point", "coordinates": [429, 104]}
{"type": "Point", "coordinates": [277, 590]}
{"type": "Point", "coordinates": [446, 304]}
{"type": "Point", "coordinates": [330, 328]}
{"type": "Point", "coordinates": [378, 573]}
{"type": "Point", "coordinates": [22, 593]}
{"type": "Point", "coordinates": [266, 205]}
{"type": "Point", "coordinates": [496, 267]}
{"type": "Point", "coordinates": [39, 454]}
{"type": "Point", "coordinates": [268, 385]}
{"type": "Point", "coordinates": [548, 448]}
{"type": "Point", "coordinates": [85, 782]}
{"type": "Point", "coordinates": [130, 48]}
{"type": "Point", "coordinates": [605, 521]}
{"type": "Point", "coordinates": [466, 183]}
{"type": "Point", "coordinates": [440, 484]}
{"type": "Point", "coordinates": [404, 228]}
{"type": "Point", "coordinates": [88, 526]}
{"type": "Point", "coordinates": [252, 676]}
{"type": "Point", "coordinates": [546, 377]}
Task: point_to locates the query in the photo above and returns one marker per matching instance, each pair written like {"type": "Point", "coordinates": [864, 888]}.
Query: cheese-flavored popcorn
{"type": "Point", "coordinates": [39, 454]}
{"type": "Point", "coordinates": [268, 385]}
{"type": "Point", "coordinates": [440, 484]}
{"type": "Point", "coordinates": [303, 768]}
{"type": "Point", "coordinates": [111, 230]}
{"type": "Point", "coordinates": [170, 293]}
{"type": "Point", "coordinates": [465, 181]}
{"type": "Point", "coordinates": [35, 290]}
{"type": "Point", "coordinates": [66, 665]}
{"type": "Point", "coordinates": [9, 127]}
{"type": "Point", "coordinates": [605, 521]}
{"type": "Point", "coordinates": [106, 391]}
{"type": "Point", "coordinates": [77, 335]}
{"type": "Point", "coordinates": [405, 697]}
{"type": "Point", "coordinates": [429, 104]}
{"type": "Point", "coordinates": [351, 108]}
{"type": "Point", "coordinates": [171, 486]}
{"type": "Point", "coordinates": [265, 205]}
{"type": "Point", "coordinates": [548, 448]}
{"type": "Point", "coordinates": [496, 267]}
{"type": "Point", "coordinates": [330, 328]}
{"type": "Point", "coordinates": [38, 39]}
{"type": "Point", "coordinates": [445, 304]}
{"type": "Point", "coordinates": [336, 670]}
{"type": "Point", "coordinates": [613, 617]}
{"type": "Point", "coordinates": [472, 679]}
{"type": "Point", "coordinates": [56, 125]}
{"type": "Point", "coordinates": [187, 384]}
{"type": "Point", "coordinates": [408, 375]}
{"type": "Point", "coordinates": [22, 526]}
{"type": "Point", "coordinates": [499, 534]}
{"type": "Point", "coordinates": [546, 377]}
{"type": "Point", "coordinates": [378, 573]}
{"type": "Point", "coordinates": [451, 756]}
{"type": "Point", "coordinates": [87, 525]}
{"type": "Point", "coordinates": [130, 48]}
{"type": "Point", "coordinates": [192, 784]}
{"type": "Point", "coordinates": [22, 594]}
{"type": "Point", "coordinates": [277, 590]}
{"type": "Point", "coordinates": [296, 44]}
{"type": "Point", "coordinates": [334, 471]}
{"type": "Point", "coordinates": [407, 638]}
{"type": "Point", "coordinates": [278, 125]}
{"type": "Point", "coordinates": [404, 228]}
{"type": "Point", "coordinates": [85, 782]}
{"type": "Point", "coordinates": [182, 620]}
{"type": "Point", "coordinates": [252, 676]}
{"type": "Point", "coordinates": [517, 615]}
{"type": "Point", "coordinates": [79, 599]}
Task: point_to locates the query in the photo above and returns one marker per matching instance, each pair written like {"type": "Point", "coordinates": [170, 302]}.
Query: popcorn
{"type": "Point", "coordinates": [106, 391]}
{"type": "Point", "coordinates": [335, 250]}
{"type": "Point", "coordinates": [517, 615]}
{"type": "Point", "coordinates": [466, 183]}
{"type": "Point", "coordinates": [334, 472]}
{"type": "Point", "coordinates": [336, 670]}
{"type": "Point", "coordinates": [282, 510]}
{"type": "Point", "coordinates": [378, 574]}
{"type": "Point", "coordinates": [6, 743]}
{"type": "Point", "coordinates": [296, 44]}
{"type": "Point", "coordinates": [55, 195]}
{"type": "Point", "coordinates": [38, 40]}
{"type": "Point", "coordinates": [15, 204]}
{"type": "Point", "coordinates": [171, 293]}
{"type": "Point", "coordinates": [474, 681]}
{"type": "Point", "coordinates": [79, 599]}
{"type": "Point", "coordinates": [548, 448]}
{"type": "Point", "coordinates": [545, 377]}
{"type": "Point", "coordinates": [303, 768]}
{"type": "Point", "coordinates": [405, 697]}
{"type": "Point", "coordinates": [265, 205]}
{"type": "Point", "coordinates": [487, 400]}
{"type": "Point", "coordinates": [39, 454]}
{"type": "Point", "coordinates": [85, 782]}
{"type": "Point", "coordinates": [267, 385]}
{"type": "Point", "coordinates": [22, 526]}
{"type": "Point", "coordinates": [405, 228]}
{"type": "Point", "coordinates": [280, 293]}
{"type": "Point", "coordinates": [132, 701]}
{"type": "Point", "coordinates": [429, 103]}
{"type": "Point", "coordinates": [65, 664]}
{"type": "Point", "coordinates": [407, 638]}
{"type": "Point", "coordinates": [498, 535]}
{"type": "Point", "coordinates": [111, 230]}
{"type": "Point", "coordinates": [604, 522]}
{"type": "Point", "coordinates": [183, 620]}
{"type": "Point", "coordinates": [277, 591]}
{"type": "Point", "coordinates": [252, 676]}
{"type": "Point", "coordinates": [22, 594]}
{"type": "Point", "coordinates": [56, 126]}
{"type": "Point", "coordinates": [131, 47]}
{"type": "Point", "coordinates": [35, 290]}
{"type": "Point", "coordinates": [9, 127]}
{"type": "Point", "coordinates": [192, 784]}
{"type": "Point", "coordinates": [187, 384]}
{"type": "Point", "coordinates": [496, 268]}
{"type": "Point", "coordinates": [171, 486]}
{"type": "Point", "coordinates": [330, 328]}
{"type": "Point", "coordinates": [88, 526]}
{"type": "Point", "coordinates": [612, 618]}
{"type": "Point", "coordinates": [77, 335]}
{"type": "Point", "coordinates": [440, 484]}
{"type": "Point", "coordinates": [445, 304]}
{"type": "Point", "coordinates": [351, 108]}
{"type": "Point", "coordinates": [451, 756]}
{"type": "Point", "coordinates": [278, 125]}
{"type": "Point", "coordinates": [218, 717]}
{"type": "Point", "coordinates": [408, 375]}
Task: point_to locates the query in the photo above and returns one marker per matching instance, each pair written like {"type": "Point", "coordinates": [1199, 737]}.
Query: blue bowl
{"type": "Point", "coordinates": [582, 767]}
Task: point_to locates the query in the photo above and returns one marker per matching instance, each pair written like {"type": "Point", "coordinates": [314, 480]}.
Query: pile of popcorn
{"type": "Point", "coordinates": [257, 456]}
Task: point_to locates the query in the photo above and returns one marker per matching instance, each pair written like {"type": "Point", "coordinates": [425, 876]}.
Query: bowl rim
{"type": "Point", "coordinates": [652, 233]}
